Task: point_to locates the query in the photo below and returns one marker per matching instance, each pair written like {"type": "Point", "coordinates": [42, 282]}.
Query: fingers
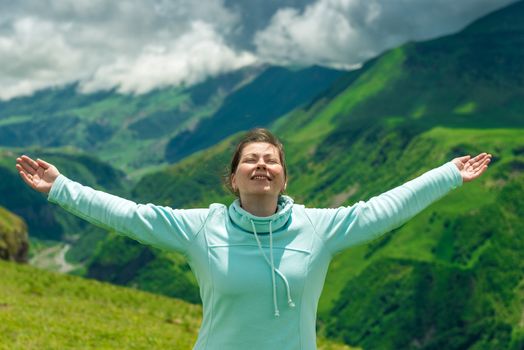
{"type": "Point", "coordinates": [30, 162]}
{"type": "Point", "coordinates": [26, 164]}
{"type": "Point", "coordinates": [480, 160]}
{"type": "Point", "coordinates": [464, 159]}
{"type": "Point", "coordinates": [30, 166]}
{"type": "Point", "coordinates": [27, 178]}
{"type": "Point", "coordinates": [481, 167]}
{"type": "Point", "coordinates": [43, 163]}
{"type": "Point", "coordinates": [478, 172]}
{"type": "Point", "coordinates": [480, 157]}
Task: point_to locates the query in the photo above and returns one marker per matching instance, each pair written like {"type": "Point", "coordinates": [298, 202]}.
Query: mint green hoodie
{"type": "Point", "coordinates": [260, 278]}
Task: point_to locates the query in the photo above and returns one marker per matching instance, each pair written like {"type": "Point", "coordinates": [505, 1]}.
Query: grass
{"type": "Point", "coordinates": [42, 310]}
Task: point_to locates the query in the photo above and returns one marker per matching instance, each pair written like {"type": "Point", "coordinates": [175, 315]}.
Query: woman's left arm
{"type": "Point", "coordinates": [364, 221]}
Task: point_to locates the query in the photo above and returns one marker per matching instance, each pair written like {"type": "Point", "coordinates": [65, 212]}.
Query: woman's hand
{"type": "Point", "coordinates": [471, 168]}
{"type": "Point", "coordinates": [38, 175]}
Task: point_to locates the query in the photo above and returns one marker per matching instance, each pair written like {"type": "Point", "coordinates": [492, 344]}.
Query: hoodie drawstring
{"type": "Point", "coordinates": [273, 269]}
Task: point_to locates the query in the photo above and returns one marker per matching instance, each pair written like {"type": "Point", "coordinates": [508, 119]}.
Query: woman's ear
{"type": "Point", "coordinates": [284, 188]}
{"type": "Point", "coordinates": [233, 182]}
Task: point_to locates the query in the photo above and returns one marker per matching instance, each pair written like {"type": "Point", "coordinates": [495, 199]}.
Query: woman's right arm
{"type": "Point", "coordinates": [158, 226]}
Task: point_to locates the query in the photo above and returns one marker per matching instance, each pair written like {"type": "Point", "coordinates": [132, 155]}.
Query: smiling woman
{"type": "Point", "coordinates": [262, 247]}
{"type": "Point", "coordinates": [258, 172]}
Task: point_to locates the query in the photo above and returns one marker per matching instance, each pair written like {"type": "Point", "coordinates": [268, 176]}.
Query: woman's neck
{"type": "Point", "coordinates": [259, 205]}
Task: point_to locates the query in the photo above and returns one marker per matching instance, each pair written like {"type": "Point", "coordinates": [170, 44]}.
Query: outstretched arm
{"type": "Point", "coordinates": [348, 226]}
{"type": "Point", "coordinates": [159, 226]}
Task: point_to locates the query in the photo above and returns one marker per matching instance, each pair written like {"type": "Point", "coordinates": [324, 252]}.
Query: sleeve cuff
{"type": "Point", "coordinates": [454, 173]}
{"type": "Point", "coordinates": [56, 188]}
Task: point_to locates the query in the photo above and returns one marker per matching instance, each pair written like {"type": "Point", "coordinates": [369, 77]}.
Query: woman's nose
{"type": "Point", "coordinates": [261, 164]}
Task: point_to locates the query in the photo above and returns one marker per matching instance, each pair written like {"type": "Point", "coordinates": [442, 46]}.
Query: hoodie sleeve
{"type": "Point", "coordinates": [349, 226]}
{"type": "Point", "coordinates": [161, 227]}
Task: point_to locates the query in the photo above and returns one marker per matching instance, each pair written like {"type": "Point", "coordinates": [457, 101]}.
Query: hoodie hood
{"type": "Point", "coordinates": [246, 220]}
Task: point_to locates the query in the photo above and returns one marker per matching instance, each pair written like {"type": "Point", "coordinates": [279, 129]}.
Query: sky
{"type": "Point", "coordinates": [135, 46]}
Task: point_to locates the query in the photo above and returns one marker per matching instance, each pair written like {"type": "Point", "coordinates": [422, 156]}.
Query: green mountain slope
{"type": "Point", "coordinates": [273, 93]}
{"type": "Point", "coordinates": [133, 132]}
{"type": "Point", "coordinates": [450, 277]}
{"type": "Point", "coordinates": [128, 131]}
{"type": "Point", "coordinates": [43, 310]}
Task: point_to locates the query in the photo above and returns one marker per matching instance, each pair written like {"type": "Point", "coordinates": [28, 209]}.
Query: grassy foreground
{"type": "Point", "coordinates": [44, 310]}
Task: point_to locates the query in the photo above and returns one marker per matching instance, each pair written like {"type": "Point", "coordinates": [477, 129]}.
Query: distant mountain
{"type": "Point", "coordinates": [134, 132]}
{"type": "Point", "coordinates": [272, 94]}
{"type": "Point", "coordinates": [129, 131]}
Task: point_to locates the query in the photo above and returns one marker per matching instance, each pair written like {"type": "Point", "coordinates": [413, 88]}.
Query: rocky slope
{"type": "Point", "coordinates": [14, 242]}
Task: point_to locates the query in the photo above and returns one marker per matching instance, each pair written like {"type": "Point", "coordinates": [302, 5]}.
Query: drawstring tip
{"type": "Point", "coordinates": [277, 313]}
{"type": "Point", "coordinates": [291, 303]}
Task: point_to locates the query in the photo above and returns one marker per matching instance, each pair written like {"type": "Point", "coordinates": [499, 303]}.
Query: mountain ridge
{"type": "Point", "coordinates": [134, 132]}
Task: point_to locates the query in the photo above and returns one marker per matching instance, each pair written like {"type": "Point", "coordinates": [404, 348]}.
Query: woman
{"type": "Point", "coordinates": [261, 262]}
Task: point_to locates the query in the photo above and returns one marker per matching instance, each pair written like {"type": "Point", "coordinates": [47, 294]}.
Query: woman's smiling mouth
{"type": "Point", "coordinates": [260, 177]}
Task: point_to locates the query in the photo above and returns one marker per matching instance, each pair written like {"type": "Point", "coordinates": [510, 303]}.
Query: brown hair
{"type": "Point", "coordinates": [253, 135]}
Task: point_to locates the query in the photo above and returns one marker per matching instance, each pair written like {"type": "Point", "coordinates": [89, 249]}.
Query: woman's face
{"type": "Point", "coordinates": [259, 171]}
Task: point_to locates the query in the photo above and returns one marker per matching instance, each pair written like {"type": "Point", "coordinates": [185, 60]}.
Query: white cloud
{"type": "Point", "coordinates": [191, 58]}
{"type": "Point", "coordinates": [134, 46]}
{"type": "Point", "coordinates": [138, 45]}
{"type": "Point", "coordinates": [348, 32]}
{"type": "Point", "coordinates": [35, 56]}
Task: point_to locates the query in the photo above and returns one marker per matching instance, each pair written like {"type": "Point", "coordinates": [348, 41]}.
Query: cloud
{"type": "Point", "coordinates": [33, 56]}
{"type": "Point", "coordinates": [345, 33]}
{"type": "Point", "coordinates": [138, 45]}
{"type": "Point", "coordinates": [134, 46]}
{"type": "Point", "coordinates": [197, 54]}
